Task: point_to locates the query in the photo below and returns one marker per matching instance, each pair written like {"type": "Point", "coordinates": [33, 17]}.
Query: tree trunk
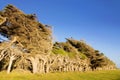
{"type": "Point", "coordinates": [10, 64]}
{"type": "Point", "coordinates": [47, 68]}
{"type": "Point", "coordinates": [34, 62]}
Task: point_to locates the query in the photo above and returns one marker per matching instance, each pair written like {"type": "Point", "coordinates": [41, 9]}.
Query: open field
{"type": "Point", "coordinates": [96, 75]}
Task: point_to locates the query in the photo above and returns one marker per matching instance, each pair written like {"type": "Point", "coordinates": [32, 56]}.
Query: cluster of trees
{"type": "Point", "coordinates": [30, 47]}
{"type": "Point", "coordinates": [80, 50]}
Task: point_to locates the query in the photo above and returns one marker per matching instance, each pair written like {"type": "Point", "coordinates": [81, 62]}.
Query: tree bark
{"type": "Point", "coordinates": [34, 62]}
{"type": "Point", "coordinates": [10, 64]}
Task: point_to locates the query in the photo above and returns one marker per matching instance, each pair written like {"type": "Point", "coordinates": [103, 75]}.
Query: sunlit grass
{"type": "Point", "coordinates": [96, 75]}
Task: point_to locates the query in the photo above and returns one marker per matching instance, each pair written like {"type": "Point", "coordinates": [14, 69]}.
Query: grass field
{"type": "Point", "coordinates": [96, 75]}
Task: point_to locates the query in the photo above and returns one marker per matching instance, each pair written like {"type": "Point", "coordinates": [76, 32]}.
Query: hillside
{"type": "Point", "coordinates": [30, 47]}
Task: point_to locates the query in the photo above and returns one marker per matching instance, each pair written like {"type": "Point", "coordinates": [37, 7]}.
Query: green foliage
{"type": "Point", "coordinates": [83, 56]}
{"type": "Point", "coordinates": [71, 55]}
{"type": "Point", "coordinates": [63, 52]}
{"type": "Point", "coordinates": [59, 51]}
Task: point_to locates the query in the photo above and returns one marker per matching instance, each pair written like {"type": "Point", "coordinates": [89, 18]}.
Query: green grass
{"type": "Point", "coordinates": [96, 75]}
{"type": "Point", "coordinates": [59, 51]}
{"type": "Point", "coordinates": [63, 52]}
{"type": "Point", "coordinates": [83, 56]}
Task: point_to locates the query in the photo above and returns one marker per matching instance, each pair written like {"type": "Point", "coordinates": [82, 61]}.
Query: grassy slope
{"type": "Point", "coordinates": [97, 75]}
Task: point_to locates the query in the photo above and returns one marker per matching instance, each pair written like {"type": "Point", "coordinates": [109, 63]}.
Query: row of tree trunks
{"type": "Point", "coordinates": [47, 63]}
{"type": "Point", "coordinates": [41, 63]}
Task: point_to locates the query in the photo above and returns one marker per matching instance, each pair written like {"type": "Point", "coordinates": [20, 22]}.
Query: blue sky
{"type": "Point", "coordinates": [95, 21]}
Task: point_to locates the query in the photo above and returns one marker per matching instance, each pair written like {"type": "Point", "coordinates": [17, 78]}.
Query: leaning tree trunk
{"type": "Point", "coordinates": [10, 64]}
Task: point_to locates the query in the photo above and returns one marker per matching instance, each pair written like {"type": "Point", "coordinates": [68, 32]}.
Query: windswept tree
{"type": "Point", "coordinates": [33, 38]}
{"type": "Point", "coordinates": [29, 46]}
